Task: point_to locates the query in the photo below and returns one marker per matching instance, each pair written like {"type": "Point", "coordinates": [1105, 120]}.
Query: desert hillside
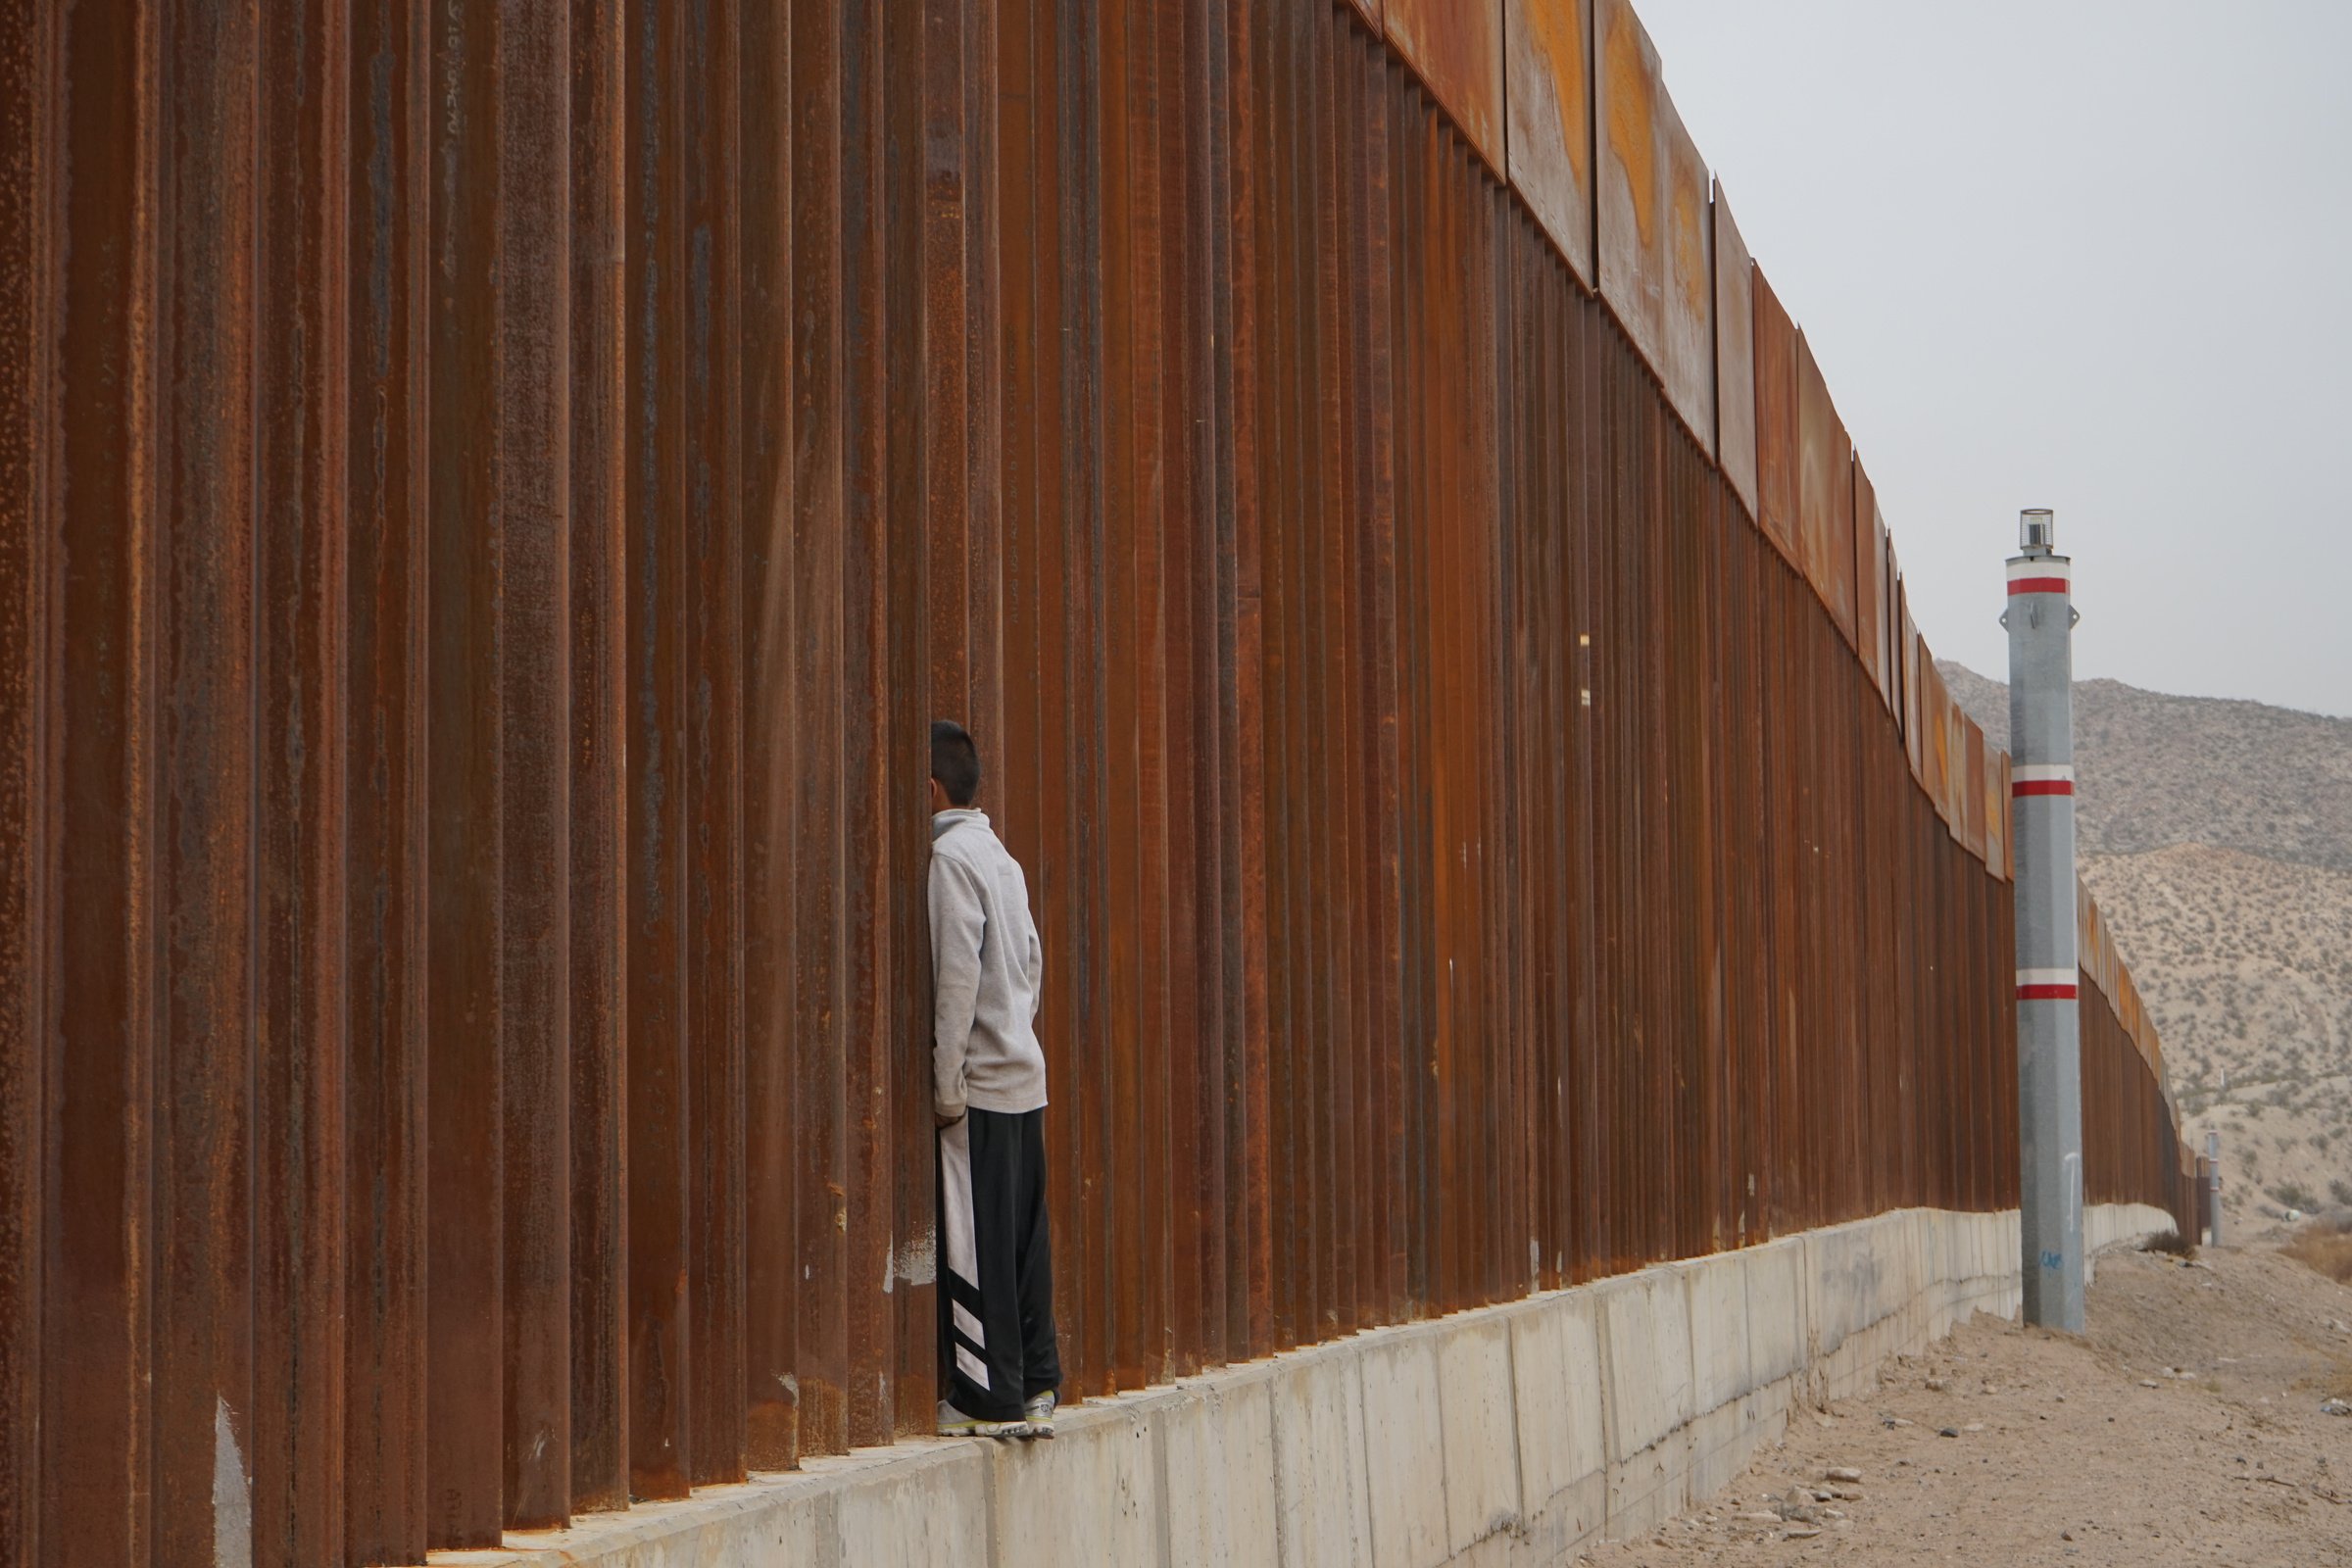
{"type": "Point", "coordinates": [2218, 837]}
{"type": "Point", "coordinates": [2153, 771]}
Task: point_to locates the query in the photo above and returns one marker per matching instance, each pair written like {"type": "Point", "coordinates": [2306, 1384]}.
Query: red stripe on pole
{"type": "Point", "coordinates": [2037, 585]}
{"type": "Point", "coordinates": [2045, 992]}
{"type": "Point", "coordinates": [2042, 786]}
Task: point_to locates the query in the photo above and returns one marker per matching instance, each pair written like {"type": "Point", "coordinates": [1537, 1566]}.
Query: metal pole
{"type": "Point", "coordinates": [2212, 1187]}
{"type": "Point", "coordinates": [2040, 619]}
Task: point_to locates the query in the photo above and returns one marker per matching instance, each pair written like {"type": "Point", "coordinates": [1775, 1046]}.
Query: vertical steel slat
{"type": "Point", "coordinates": [98, 1280]}
{"type": "Point", "coordinates": [1250, 1193]}
{"type": "Point", "coordinates": [1184, 416]}
{"type": "Point", "coordinates": [1222, 1287]}
{"type": "Point", "coordinates": [384, 1453]}
{"type": "Point", "coordinates": [531, 458]}
{"type": "Point", "coordinates": [930, 600]}
{"type": "Point", "coordinates": [772, 742]}
{"type": "Point", "coordinates": [1384, 1001]}
{"type": "Point", "coordinates": [30, 105]}
{"type": "Point", "coordinates": [658, 965]}
{"type": "Point", "coordinates": [597, 738]}
{"type": "Point", "coordinates": [202, 562]}
{"type": "Point", "coordinates": [301, 604]}
{"type": "Point", "coordinates": [465, 1262]}
{"type": "Point", "coordinates": [712, 525]}
{"type": "Point", "coordinates": [816, 889]}
{"type": "Point", "coordinates": [866, 772]}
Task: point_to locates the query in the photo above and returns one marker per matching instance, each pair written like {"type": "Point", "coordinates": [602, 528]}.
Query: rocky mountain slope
{"type": "Point", "coordinates": [2218, 838]}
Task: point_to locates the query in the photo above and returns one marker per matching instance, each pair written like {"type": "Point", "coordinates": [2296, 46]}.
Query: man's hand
{"type": "Point", "coordinates": [946, 1121]}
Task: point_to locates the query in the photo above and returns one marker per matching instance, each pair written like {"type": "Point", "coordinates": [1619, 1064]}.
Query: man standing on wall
{"type": "Point", "coordinates": [999, 1363]}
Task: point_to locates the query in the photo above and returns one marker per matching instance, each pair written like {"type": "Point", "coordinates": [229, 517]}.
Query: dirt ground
{"type": "Point", "coordinates": [2185, 1427]}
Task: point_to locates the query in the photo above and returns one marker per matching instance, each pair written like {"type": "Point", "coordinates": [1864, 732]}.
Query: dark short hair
{"type": "Point", "coordinates": [954, 760]}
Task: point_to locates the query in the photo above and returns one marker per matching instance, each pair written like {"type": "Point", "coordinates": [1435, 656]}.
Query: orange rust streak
{"type": "Point", "coordinates": [1633, 111]}
{"type": "Point", "coordinates": [1558, 33]}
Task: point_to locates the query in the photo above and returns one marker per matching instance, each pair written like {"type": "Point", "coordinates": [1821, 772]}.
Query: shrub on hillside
{"type": "Point", "coordinates": [2325, 1247]}
{"type": "Point", "coordinates": [2295, 1194]}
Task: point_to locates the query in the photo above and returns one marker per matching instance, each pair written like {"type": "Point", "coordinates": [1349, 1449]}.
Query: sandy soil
{"type": "Point", "coordinates": [2183, 1428]}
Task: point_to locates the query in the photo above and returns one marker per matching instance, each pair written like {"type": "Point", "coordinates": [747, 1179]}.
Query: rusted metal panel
{"type": "Point", "coordinates": [1735, 285]}
{"type": "Point", "coordinates": [1868, 624]}
{"type": "Point", "coordinates": [205, 773]}
{"type": "Point", "coordinates": [1957, 783]}
{"type": "Point", "coordinates": [1825, 500]}
{"type": "Point", "coordinates": [301, 605]}
{"type": "Point", "coordinates": [387, 886]}
{"type": "Point", "coordinates": [599, 731]}
{"type": "Point", "coordinates": [531, 458]}
{"type": "Point", "coordinates": [28, 102]}
{"type": "Point", "coordinates": [1777, 482]}
{"type": "Point", "coordinates": [1631, 212]}
{"type": "Point", "coordinates": [98, 1282]}
{"type": "Point", "coordinates": [1549, 87]}
{"type": "Point", "coordinates": [658, 962]}
{"type": "Point", "coordinates": [1688, 270]}
{"type": "Point", "coordinates": [1996, 814]}
{"type": "Point", "coordinates": [1457, 52]}
{"type": "Point", "coordinates": [867, 753]}
{"type": "Point", "coordinates": [464, 1320]}
{"type": "Point", "coordinates": [1971, 787]}
{"type": "Point", "coordinates": [1655, 235]}
{"type": "Point", "coordinates": [770, 741]}
{"type": "Point", "coordinates": [711, 521]}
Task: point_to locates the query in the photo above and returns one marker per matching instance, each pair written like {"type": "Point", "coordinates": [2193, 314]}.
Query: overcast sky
{"type": "Point", "coordinates": [2081, 255]}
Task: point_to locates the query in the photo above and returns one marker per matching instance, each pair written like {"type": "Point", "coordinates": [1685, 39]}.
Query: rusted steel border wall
{"type": "Point", "coordinates": [489, 497]}
{"type": "Point", "coordinates": [2131, 1146]}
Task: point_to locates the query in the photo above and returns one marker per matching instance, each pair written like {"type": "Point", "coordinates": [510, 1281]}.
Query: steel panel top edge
{"type": "Point", "coordinates": [1864, 500]}
{"type": "Point", "coordinates": [1775, 369]}
{"type": "Point", "coordinates": [1456, 50]}
{"type": "Point", "coordinates": [1735, 354]}
{"type": "Point", "coordinates": [1824, 491]}
{"type": "Point", "coordinates": [1547, 89]}
{"type": "Point", "coordinates": [1630, 214]}
{"type": "Point", "coordinates": [1687, 267]}
{"type": "Point", "coordinates": [1369, 10]}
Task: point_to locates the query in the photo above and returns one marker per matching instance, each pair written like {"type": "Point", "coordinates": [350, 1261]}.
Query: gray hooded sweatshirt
{"type": "Point", "coordinates": [986, 965]}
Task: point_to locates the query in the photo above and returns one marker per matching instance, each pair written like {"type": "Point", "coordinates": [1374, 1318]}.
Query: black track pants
{"type": "Point", "coordinates": [996, 1282]}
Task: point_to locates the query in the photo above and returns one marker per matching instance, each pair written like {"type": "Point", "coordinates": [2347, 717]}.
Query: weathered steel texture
{"type": "Point", "coordinates": [770, 898]}
{"type": "Point", "coordinates": [1736, 382]}
{"type": "Point", "coordinates": [1548, 90]}
{"type": "Point", "coordinates": [1825, 492]}
{"type": "Point", "coordinates": [1630, 202]}
{"type": "Point", "coordinates": [656, 683]}
{"type": "Point", "coordinates": [27, 153]}
{"type": "Point", "coordinates": [1995, 791]}
{"type": "Point", "coordinates": [467, 1036]}
{"type": "Point", "coordinates": [527, 483]}
{"type": "Point", "coordinates": [302, 606]}
{"type": "Point", "coordinates": [1777, 482]}
{"type": "Point", "coordinates": [1868, 540]}
{"type": "Point", "coordinates": [599, 755]}
{"type": "Point", "coordinates": [1687, 269]}
{"type": "Point", "coordinates": [1457, 51]}
{"type": "Point", "coordinates": [531, 456]}
{"type": "Point", "coordinates": [387, 882]}
{"type": "Point", "coordinates": [1655, 237]}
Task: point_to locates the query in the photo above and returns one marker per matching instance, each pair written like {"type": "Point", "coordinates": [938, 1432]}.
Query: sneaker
{"type": "Point", "coordinates": [1039, 1412]}
{"type": "Point", "coordinates": [954, 1423]}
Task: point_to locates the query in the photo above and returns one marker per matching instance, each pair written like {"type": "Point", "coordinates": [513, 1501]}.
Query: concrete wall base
{"type": "Point", "coordinates": [1492, 1439]}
